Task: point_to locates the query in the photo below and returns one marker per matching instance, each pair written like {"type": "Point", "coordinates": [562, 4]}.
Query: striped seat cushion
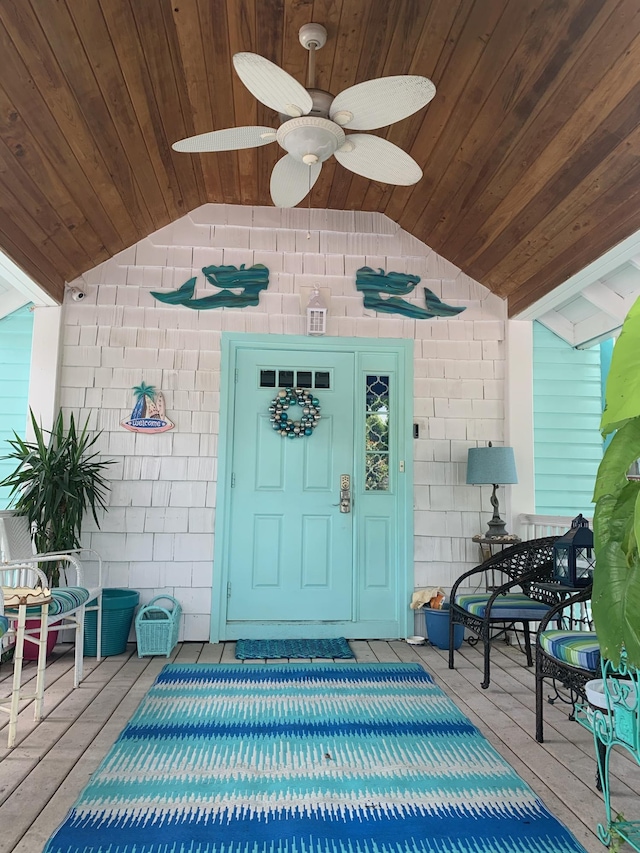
{"type": "Point", "coordinates": [515, 606]}
{"type": "Point", "coordinates": [577, 648]}
{"type": "Point", "coordinates": [4, 625]}
{"type": "Point", "coordinates": [64, 599]}
{"type": "Point", "coordinates": [67, 598]}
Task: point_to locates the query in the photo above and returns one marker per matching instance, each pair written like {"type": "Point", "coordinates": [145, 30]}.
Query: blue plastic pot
{"type": "Point", "coordinates": [437, 628]}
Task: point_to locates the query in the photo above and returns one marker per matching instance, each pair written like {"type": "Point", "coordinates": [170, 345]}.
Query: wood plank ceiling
{"type": "Point", "coordinates": [530, 148]}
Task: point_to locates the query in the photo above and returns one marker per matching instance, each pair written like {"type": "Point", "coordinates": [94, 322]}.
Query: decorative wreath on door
{"type": "Point", "coordinates": [280, 419]}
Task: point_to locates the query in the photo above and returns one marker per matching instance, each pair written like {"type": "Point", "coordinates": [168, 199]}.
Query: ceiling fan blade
{"type": "Point", "coordinates": [379, 160]}
{"type": "Point", "coordinates": [231, 139]}
{"type": "Point", "coordinates": [271, 85]}
{"type": "Point", "coordinates": [292, 180]}
{"type": "Point", "coordinates": [377, 103]}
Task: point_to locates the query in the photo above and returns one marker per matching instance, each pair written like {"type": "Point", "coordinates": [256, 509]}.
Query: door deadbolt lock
{"type": "Point", "coordinates": [345, 493]}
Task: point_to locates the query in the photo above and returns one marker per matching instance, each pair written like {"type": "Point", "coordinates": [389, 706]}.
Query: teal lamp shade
{"type": "Point", "coordinates": [494, 466]}
{"type": "Point", "coordinates": [491, 465]}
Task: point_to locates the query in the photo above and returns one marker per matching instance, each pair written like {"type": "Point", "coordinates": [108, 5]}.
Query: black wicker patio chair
{"type": "Point", "coordinates": [524, 596]}
{"type": "Point", "coordinates": [567, 652]}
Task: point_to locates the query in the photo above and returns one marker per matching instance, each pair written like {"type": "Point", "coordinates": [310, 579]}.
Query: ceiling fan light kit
{"type": "Point", "coordinates": [307, 137]}
{"type": "Point", "coordinates": [312, 122]}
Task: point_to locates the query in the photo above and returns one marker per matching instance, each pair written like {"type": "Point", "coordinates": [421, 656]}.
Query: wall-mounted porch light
{"type": "Point", "coordinates": [316, 314]}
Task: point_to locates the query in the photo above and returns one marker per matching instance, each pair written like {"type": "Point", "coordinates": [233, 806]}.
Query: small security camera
{"type": "Point", "coordinates": [76, 294]}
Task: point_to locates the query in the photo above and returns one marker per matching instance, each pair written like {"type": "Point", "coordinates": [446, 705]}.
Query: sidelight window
{"type": "Point", "coordinates": [377, 434]}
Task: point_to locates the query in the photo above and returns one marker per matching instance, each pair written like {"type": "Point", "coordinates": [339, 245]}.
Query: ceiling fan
{"type": "Point", "coordinates": [313, 123]}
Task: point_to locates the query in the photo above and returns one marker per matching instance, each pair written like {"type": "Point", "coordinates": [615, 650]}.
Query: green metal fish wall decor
{"type": "Point", "coordinates": [251, 280]}
{"type": "Point", "coordinates": [395, 284]}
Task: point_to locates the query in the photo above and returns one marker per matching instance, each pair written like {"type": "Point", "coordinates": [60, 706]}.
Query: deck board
{"type": "Point", "coordinates": [54, 759]}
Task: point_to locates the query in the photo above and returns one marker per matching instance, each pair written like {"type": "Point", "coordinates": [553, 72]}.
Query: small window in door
{"type": "Point", "coordinates": [274, 378]}
{"type": "Point", "coordinates": [377, 434]}
{"type": "Point", "coordinates": [267, 379]}
{"type": "Point", "coordinates": [285, 379]}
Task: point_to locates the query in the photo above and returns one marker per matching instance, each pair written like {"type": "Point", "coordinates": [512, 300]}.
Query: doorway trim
{"type": "Point", "coordinates": [231, 342]}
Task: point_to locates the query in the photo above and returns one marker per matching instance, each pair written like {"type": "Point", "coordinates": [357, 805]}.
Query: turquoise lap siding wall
{"type": "Point", "coordinates": [567, 407]}
{"type": "Point", "coordinates": [16, 331]}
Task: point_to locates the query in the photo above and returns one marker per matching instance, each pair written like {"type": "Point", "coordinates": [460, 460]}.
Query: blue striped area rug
{"type": "Point", "coordinates": [301, 758]}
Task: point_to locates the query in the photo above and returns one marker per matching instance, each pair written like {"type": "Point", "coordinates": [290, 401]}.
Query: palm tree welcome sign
{"type": "Point", "coordinates": [148, 414]}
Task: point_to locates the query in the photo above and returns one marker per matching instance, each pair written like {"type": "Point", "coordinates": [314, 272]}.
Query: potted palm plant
{"type": "Point", "coordinates": [57, 479]}
{"type": "Point", "coordinates": [616, 523]}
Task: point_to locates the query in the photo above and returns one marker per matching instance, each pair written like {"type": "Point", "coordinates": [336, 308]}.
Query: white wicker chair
{"type": "Point", "coordinates": [16, 549]}
{"type": "Point", "coordinates": [23, 591]}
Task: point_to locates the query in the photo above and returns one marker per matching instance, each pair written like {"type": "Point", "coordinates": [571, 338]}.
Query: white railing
{"type": "Point", "coordinates": [537, 526]}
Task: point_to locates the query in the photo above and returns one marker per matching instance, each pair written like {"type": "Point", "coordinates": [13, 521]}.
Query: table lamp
{"type": "Point", "coordinates": [493, 466]}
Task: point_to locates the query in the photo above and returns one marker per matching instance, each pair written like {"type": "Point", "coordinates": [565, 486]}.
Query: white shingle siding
{"type": "Point", "coordinates": [158, 534]}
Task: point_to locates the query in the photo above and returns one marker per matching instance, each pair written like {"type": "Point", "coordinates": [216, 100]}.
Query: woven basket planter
{"type": "Point", "coordinates": [157, 626]}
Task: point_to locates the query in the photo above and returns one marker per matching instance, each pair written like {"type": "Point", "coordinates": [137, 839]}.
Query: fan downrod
{"type": "Point", "coordinates": [312, 37]}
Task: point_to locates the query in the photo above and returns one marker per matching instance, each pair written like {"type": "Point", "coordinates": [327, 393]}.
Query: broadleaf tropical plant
{"type": "Point", "coordinates": [616, 523]}
{"type": "Point", "coordinates": [57, 479]}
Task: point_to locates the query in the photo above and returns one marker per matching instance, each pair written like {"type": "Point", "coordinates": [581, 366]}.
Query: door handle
{"type": "Point", "coordinates": [345, 493]}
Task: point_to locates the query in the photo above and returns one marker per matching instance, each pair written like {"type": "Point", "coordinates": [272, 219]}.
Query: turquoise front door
{"type": "Point", "coordinates": [292, 548]}
{"type": "Point", "coordinates": [309, 531]}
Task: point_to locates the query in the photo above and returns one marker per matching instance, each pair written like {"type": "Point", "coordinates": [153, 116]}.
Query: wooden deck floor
{"type": "Point", "coordinates": [42, 776]}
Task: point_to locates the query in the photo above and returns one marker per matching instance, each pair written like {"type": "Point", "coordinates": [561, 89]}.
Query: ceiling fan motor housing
{"type": "Point", "coordinates": [309, 139]}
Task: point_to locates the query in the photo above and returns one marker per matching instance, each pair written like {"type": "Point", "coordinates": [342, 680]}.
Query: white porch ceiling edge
{"type": "Point", "coordinates": [591, 305]}
{"type": "Point", "coordinates": [17, 289]}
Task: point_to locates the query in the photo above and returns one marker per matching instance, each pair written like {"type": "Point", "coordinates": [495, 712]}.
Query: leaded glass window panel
{"type": "Point", "coordinates": [377, 434]}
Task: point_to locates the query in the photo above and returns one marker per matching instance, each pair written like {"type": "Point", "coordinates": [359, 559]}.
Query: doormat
{"type": "Point", "coordinates": [271, 649]}
{"type": "Point", "coordinates": [287, 758]}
